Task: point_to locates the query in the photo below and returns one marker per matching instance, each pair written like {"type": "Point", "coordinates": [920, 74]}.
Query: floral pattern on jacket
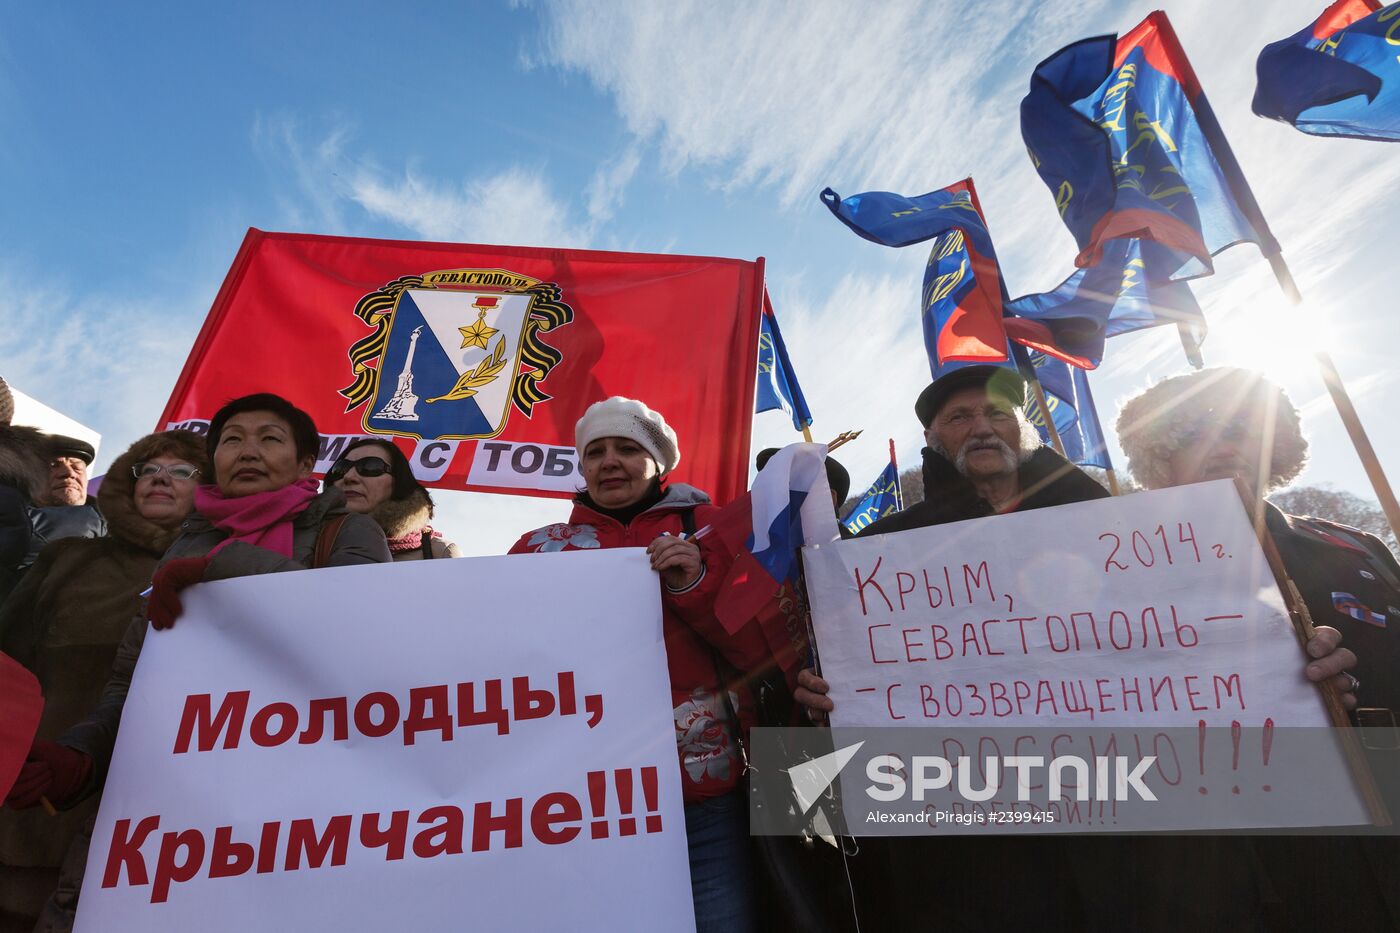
{"type": "Point", "coordinates": [561, 537]}
{"type": "Point", "coordinates": [705, 741]}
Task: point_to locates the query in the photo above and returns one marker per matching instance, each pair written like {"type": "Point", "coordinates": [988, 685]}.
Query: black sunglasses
{"type": "Point", "coordinates": [366, 466]}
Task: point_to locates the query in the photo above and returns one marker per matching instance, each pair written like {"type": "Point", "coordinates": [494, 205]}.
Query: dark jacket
{"type": "Point", "coordinates": [23, 470]}
{"type": "Point", "coordinates": [360, 542]}
{"type": "Point", "coordinates": [63, 622]}
{"type": "Point", "coordinates": [1350, 581]}
{"type": "Point", "coordinates": [56, 522]}
{"type": "Point", "coordinates": [1047, 479]}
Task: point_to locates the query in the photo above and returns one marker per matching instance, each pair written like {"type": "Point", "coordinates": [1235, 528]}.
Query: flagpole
{"type": "Point", "coordinates": [1342, 400]}
{"type": "Point", "coordinates": [807, 434]}
{"type": "Point", "coordinates": [898, 495]}
{"type": "Point", "coordinates": [1113, 482]}
{"type": "Point", "coordinates": [1045, 414]}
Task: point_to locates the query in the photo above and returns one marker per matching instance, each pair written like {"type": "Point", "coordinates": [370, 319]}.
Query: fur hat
{"type": "Point", "coordinates": [115, 497]}
{"type": "Point", "coordinates": [1158, 422]}
{"type": "Point", "coordinates": [24, 458]}
{"type": "Point", "coordinates": [629, 418]}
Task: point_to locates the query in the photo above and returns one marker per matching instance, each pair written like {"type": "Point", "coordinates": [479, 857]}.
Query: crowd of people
{"type": "Point", "coordinates": [84, 582]}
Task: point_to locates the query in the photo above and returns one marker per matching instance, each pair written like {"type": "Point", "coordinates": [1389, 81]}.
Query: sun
{"type": "Point", "coordinates": [1271, 335]}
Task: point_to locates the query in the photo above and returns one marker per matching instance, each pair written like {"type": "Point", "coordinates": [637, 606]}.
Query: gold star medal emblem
{"type": "Point", "coordinates": [477, 334]}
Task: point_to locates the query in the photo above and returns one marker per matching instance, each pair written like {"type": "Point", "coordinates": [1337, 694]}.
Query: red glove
{"type": "Point", "coordinates": [163, 605]}
{"type": "Point", "coordinates": [51, 770]}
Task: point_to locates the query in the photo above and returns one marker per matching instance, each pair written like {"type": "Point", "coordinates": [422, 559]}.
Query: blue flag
{"type": "Point", "coordinates": [881, 499]}
{"type": "Point", "coordinates": [1120, 131]}
{"type": "Point", "coordinates": [963, 303]}
{"type": "Point", "coordinates": [963, 293]}
{"type": "Point", "coordinates": [1071, 406]}
{"type": "Point", "coordinates": [1338, 76]}
{"type": "Point", "coordinates": [777, 382]}
{"type": "Point", "coordinates": [1114, 297]}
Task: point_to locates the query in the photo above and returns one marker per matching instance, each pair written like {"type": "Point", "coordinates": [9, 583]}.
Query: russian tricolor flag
{"type": "Point", "coordinates": [789, 506]}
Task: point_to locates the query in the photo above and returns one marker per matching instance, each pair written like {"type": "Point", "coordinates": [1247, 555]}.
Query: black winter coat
{"type": "Point", "coordinates": [1047, 479]}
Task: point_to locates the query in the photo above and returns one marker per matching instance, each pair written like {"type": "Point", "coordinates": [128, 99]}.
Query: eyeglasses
{"type": "Point", "coordinates": [365, 466]}
{"type": "Point", "coordinates": [173, 470]}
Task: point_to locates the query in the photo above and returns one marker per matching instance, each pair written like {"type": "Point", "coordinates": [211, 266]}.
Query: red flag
{"type": "Point", "coordinates": [479, 359]}
{"type": "Point", "coordinates": [21, 704]}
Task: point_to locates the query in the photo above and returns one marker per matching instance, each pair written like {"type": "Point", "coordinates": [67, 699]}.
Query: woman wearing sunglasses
{"type": "Point", "coordinates": [262, 514]}
{"type": "Point", "coordinates": [378, 482]}
{"type": "Point", "coordinates": [64, 622]}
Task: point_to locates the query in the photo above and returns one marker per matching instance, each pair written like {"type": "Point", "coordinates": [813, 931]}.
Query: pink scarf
{"type": "Point", "coordinates": [413, 540]}
{"type": "Point", "coordinates": [263, 519]}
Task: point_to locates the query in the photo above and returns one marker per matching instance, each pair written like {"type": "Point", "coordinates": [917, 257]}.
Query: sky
{"type": "Point", "coordinates": [142, 140]}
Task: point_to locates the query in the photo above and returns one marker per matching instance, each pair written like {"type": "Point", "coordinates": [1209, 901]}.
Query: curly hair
{"type": "Point", "coordinates": [1160, 421]}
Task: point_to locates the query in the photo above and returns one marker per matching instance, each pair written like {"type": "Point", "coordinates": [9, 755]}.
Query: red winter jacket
{"type": "Point", "coordinates": [709, 756]}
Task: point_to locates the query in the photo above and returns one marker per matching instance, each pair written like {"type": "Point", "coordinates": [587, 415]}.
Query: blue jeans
{"type": "Point", "coordinates": [721, 877]}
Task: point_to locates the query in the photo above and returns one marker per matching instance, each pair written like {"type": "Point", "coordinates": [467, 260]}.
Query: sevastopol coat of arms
{"type": "Point", "coordinates": [453, 352]}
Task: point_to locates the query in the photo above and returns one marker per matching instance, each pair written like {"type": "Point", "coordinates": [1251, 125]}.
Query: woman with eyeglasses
{"type": "Point", "coordinates": [64, 622]}
{"type": "Point", "coordinates": [262, 513]}
{"type": "Point", "coordinates": [378, 481]}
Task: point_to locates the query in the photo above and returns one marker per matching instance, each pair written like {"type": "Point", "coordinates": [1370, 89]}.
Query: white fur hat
{"type": "Point", "coordinates": [629, 418]}
{"type": "Point", "coordinates": [1158, 422]}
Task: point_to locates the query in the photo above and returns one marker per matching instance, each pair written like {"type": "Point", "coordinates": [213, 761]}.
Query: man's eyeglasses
{"type": "Point", "coordinates": [173, 470]}
{"type": "Point", "coordinates": [365, 466]}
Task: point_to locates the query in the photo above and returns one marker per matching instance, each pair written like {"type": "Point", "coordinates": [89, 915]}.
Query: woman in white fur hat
{"type": "Point", "coordinates": [626, 454]}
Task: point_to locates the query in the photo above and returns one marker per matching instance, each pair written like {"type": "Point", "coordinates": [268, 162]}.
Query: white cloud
{"type": "Point", "coordinates": [317, 195]}
{"type": "Point", "coordinates": [112, 362]}
{"type": "Point", "coordinates": [797, 96]}
{"type": "Point", "coordinates": [514, 206]}
{"type": "Point", "coordinates": [606, 189]}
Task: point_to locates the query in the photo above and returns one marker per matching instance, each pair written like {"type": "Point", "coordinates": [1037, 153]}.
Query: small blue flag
{"type": "Point", "coordinates": [777, 382]}
{"type": "Point", "coordinates": [1067, 396]}
{"type": "Point", "coordinates": [963, 292]}
{"type": "Point", "coordinates": [1123, 136]}
{"type": "Point", "coordinates": [1338, 76]}
{"type": "Point", "coordinates": [881, 499]}
{"type": "Point", "coordinates": [1116, 296]}
{"type": "Point", "coordinates": [963, 303]}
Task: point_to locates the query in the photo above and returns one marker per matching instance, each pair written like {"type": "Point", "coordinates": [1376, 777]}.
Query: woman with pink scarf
{"type": "Point", "coordinates": [262, 514]}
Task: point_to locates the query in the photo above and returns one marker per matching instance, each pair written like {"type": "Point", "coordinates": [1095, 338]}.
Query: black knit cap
{"type": "Point", "coordinates": [999, 381]}
{"type": "Point", "coordinates": [836, 476]}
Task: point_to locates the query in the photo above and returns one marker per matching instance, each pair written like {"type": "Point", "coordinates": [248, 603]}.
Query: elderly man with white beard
{"type": "Point", "coordinates": [984, 457]}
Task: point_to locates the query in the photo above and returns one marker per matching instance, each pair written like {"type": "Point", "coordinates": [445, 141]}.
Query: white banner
{"type": "Point", "coordinates": [1153, 610]}
{"type": "Point", "coordinates": [484, 743]}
